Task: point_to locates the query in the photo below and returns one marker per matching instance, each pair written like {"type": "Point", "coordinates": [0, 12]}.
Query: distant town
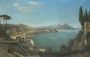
{"type": "Point", "coordinates": [24, 30]}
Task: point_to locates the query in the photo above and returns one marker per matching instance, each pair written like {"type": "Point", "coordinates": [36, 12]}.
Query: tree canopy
{"type": "Point", "coordinates": [84, 16]}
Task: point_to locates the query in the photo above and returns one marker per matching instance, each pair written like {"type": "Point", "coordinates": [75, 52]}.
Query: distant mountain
{"type": "Point", "coordinates": [50, 28]}
{"type": "Point", "coordinates": [65, 27]}
{"type": "Point", "coordinates": [58, 27]}
{"type": "Point", "coordinates": [19, 27]}
{"type": "Point", "coordinates": [24, 27]}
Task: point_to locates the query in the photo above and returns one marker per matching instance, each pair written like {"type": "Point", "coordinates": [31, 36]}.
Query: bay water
{"type": "Point", "coordinates": [54, 40]}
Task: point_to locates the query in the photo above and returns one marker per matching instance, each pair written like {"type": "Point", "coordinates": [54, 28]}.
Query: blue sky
{"type": "Point", "coordinates": [43, 12]}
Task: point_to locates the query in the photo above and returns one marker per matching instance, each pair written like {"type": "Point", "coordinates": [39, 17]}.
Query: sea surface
{"type": "Point", "coordinates": [54, 40]}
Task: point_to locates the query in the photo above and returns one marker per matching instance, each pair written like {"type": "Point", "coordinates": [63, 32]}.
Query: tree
{"type": "Point", "coordinates": [1, 18]}
{"type": "Point", "coordinates": [81, 18]}
{"type": "Point", "coordinates": [5, 18]}
{"type": "Point", "coordinates": [89, 16]}
{"type": "Point", "coordinates": [86, 15]}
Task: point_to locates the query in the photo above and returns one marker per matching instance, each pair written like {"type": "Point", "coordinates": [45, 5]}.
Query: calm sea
{"type": "Point", "coordinates": [54, 40]}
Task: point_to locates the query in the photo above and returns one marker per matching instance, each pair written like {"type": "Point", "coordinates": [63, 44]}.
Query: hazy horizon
{"type": "Point", "coordinates": [43, 12]}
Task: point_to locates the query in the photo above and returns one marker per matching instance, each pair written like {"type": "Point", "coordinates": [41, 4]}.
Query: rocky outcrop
{"type": "Point", "coordinates": [80, 54]}
{"type": "Point", "coordinates": [78, 47]}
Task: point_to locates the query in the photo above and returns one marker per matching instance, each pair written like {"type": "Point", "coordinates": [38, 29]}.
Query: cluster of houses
{"type": "Point", "coordinates": [26, 38]}
{"type": "Point", "coordinates": [21, 36]}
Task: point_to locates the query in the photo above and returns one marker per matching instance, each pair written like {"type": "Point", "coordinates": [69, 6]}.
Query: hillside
{"type": "Point", "coordinates": [19, 28]}
{"type": "Point", "coordinates": [65, 27]}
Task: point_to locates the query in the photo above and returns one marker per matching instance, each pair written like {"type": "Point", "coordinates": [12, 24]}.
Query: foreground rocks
{"type": "Point", "coordinates": [4, 51]}
{"type": "Point", "coordinates": [80, 54]}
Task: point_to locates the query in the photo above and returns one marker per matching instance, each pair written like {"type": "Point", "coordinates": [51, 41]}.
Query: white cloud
{"type": "Point", "coordinates": [16, 4]}
{"type": "Point", "coordinates": [34, 3]}
{"type": "Point", "coordinates": [26, 8]}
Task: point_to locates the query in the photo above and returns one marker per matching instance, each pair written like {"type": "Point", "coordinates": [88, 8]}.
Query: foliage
{"type": "Point", "coordinates": [84, 16]}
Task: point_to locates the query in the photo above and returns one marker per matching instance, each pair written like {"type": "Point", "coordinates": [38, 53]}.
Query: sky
{"type": "Point", "coordinates": [43, 12]}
